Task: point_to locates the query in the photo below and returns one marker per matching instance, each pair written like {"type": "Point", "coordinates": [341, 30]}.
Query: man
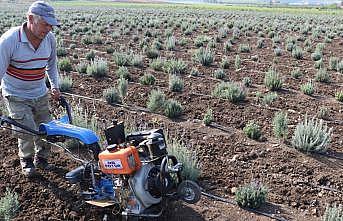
{"type": "Point", "coordinates": [27, 53]}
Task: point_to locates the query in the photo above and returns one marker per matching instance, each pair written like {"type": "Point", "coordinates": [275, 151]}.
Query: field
{"type": "Point", "coordinates": [272, 60]}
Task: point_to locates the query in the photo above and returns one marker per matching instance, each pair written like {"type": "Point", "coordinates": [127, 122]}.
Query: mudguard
{"type": "Point", "coordinates": [62, 127]}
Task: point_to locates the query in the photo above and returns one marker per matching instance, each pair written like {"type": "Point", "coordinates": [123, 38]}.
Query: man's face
{"type": "Point", "coordinates": [40, 28]}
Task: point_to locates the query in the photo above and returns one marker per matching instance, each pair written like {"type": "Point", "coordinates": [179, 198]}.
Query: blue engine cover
{"type": "Point", "coordinates": [62, 127]}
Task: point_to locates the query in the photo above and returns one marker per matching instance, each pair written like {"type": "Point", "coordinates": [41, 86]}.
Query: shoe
{"type": "Point", "coordinates": [42, 163]}
{"type": "Point", "coordinates": [27, 167]}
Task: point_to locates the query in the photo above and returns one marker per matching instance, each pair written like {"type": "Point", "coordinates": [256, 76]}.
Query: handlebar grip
{"type": "Point", "coordinates": [63, 102]}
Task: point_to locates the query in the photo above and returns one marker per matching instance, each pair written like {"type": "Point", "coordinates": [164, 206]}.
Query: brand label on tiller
{"type": "Point", "coordinates": [113, 164]}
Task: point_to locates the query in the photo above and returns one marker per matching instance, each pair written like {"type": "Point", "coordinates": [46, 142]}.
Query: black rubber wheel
{"type": "Point", "coordinates": [189, 191]}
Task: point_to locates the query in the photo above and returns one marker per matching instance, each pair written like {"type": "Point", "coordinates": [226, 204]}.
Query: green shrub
{"type": "Point", "coordinates": [311, 135]}
{"type": "Point", "coordinates": [260, 43]}
{"type": "Point", "coordinates": [110, 50]}
{"type": "Point", "coordinates": [97, 40]}
{"type": "Point", "coordinates": [296, 73]}
{"type": "Point", "coordinates": [86, 40]}
{"type": "Point", "coordinates": [147, 79]}
{"type": "Point", "coordinates": [278, 51]}
{"type": "Point", "coordinates": [175, 83]}
{"type": "Point", "coordinates": [65, 65]}
{"type": "Point", "coordinates": [201, 40]}
{"type": "Point", "coordinates": [320, 47]}
{"type": "Point", "coordinates": [204, 56]}
{"type": "Point", "coordinates": [208, 117]}
{"type": "Point", "coordinates": [280, 125]}
{"type": "Point", "coordinates": [272, 80]}
{"type": "Point", "coordinates": [183, 42]}
{"type": "Point", "coordinates": [211, 44]}
{"type": "Point", "coordinates": [297, 53]}
{"type": "Point", "coordinates": [111, 95]}
{"type": "Point", "coordinates": [9, 205]}
{"type": "Point", "coordinates": [227, 47]}
{"type": "Point", "coordinates": [322, 76]}
{"type": "Point", "coordinates": [195, 72]}
{"type": "Point", "coordinates": [219, 74]}
{"type": "Point", "coordinates": [252, 195]}
{"type": "Point", "coordinates": [137, 61]}
{"type": "Point", "coordinates": [334, 213]}
{"type": "Point", "coordinates": [122, 87]}
{"type": "Point", "coordinates": [188, 158]}
{"type": "Point", "coordinates": [156, 100]}
{"type": "Point", "coordinates": [307, 88]}
{"type": "Point", "coordinates": [244, 48]}
{"type": "Point", "coordinates": [319, 64]}
{"type": "Point", "coordinates": [247, 82]}
{"type": "Point", "coordinates": [340, 67]}
{"type": "Point", "coordinates": [61, 52]}
{"type": "Point", "coordinates": [269, 98]}
{"type": "Point", "coordinates": [90, 55]}
{"type": "Point", "coordinates": [316, 55]}
{"type": "Point", "coordinates": [252, 130]}
{"type": "Point", "coordinates": [175, 66]}
{"type": "Point", "coordinates": [121, 59]}
{"type": "Point", "coordinates": [171, 43]}
{"type": "Point", "coordinates": [290, 46]}
{"type": "Point", "coordinates": [225, 64]}
{"type": "Point", "coordinates": [81, 67]}
{"type": "Point", "coordinates": [66, 83]}
{"type": "Point", "coordinates": [339, 96]}
{"type": "Point", "coordinates": [157, 64]}
{"type": "Point", "coordinates": [97, 68]}
{"type": "Point", "coordinates": [123, 72]}
{"type": "Point", "coordinates": [151, 52]}
{"type": "Point", "coordinates": [230, 91]}
{"type": "Point", "coordinates": [333, 63]}
{"type": "Point", "coordinates": [172, 109]}
{"type": "Point", "coordinates": [323, 113]}
{"type": "Point", "coordinates": [237, 62]}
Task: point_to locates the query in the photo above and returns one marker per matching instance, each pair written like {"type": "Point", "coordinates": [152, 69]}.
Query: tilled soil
{"type": "Point", "coordinates": [300, 185]}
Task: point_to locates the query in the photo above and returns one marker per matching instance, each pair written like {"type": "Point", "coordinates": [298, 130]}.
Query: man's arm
{"type": "Point", "coordinates": [6, 51]}
{"type": "Point", "coordinates": [52, 70]}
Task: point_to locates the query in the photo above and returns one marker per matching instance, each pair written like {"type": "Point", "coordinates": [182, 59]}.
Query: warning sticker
{"type": "Point", "coordinates": [113, 164]}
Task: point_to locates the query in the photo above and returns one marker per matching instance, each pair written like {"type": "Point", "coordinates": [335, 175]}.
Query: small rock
{"type": "Point", "coordinates": [233, 190]}
{"type": "Point", "coordinates": [234, 158]}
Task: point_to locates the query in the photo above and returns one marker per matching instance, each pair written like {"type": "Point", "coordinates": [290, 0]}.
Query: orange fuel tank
{"type": "Point", "coordinates": [120, 161]}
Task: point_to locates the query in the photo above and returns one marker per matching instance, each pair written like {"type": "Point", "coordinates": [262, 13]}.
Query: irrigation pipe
{"type": "Point", "coordinates": [218, 198]}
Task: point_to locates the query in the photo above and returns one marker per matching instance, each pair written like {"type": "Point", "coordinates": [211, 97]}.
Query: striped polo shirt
{"type": "Point", "coordinates": [22, 68]}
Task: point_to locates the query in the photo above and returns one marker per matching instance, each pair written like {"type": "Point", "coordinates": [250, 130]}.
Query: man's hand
{"type": "Point", "coordinates": [55, 93]}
